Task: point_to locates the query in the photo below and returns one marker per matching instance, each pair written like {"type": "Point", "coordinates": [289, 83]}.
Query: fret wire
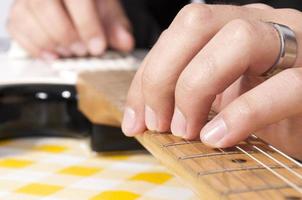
{"type": "Point", "coordinates": [188, 142]}
{"type": "Point", "coordinates": [259, 189]}
{"type": "Point", "coordinates": [238, 169]}
{"type": "Point", "coordinates": [178, 143]}
{"type": "Point", "coordinates": [219, 180]}
{"type": "Point", "coordinates": [221, 165]}
{"type": "Point", "coordinates": [252, 173]}
{"type": "Point", "coordinates": [277, 161]}
{"type": "Point", "coordinates": [269, 186]}
{"type": "Point", "coordinates": [280, 152]}
{"type": "Point", "coordinates": [264, 180]}
{"type": "Point", "coordinates": [203, 155]}
{"type": "Point", "coordinates": [293, 185]}
{"type": "Point", "coordinates": [223, 183]}
{"type": "Point", "coordinates": [236, 176]}
{"type": "Point", "coordinates": [207, 155]}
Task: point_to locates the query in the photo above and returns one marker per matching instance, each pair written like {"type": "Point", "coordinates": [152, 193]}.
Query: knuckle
{"type": "Point", "coordinates": [187, 86]}
{"type": "Point", "coordinates": [153, 82]}
{"type": "Point", "coordinates": [293, 17]}
{"type": "Point", "coordinates": [243, 31]}
{"type": "Point", "coordinates": [190, 84]}
{"type": "Point", "coordinates": [290, 12]}
{"type": "Point", "coordinates": [260, 5]}
{"type": "Point", "coordinates": [193, 14]}
{"type": "Point", "coordinates": [150, 82]}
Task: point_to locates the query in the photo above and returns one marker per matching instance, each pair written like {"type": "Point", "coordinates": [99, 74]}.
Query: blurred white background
{"type": "Point", "coordinates": [4, 9]}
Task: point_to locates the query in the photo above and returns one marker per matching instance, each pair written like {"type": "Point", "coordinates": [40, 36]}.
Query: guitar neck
{"type": "Point", "coordinates": [250, 170]}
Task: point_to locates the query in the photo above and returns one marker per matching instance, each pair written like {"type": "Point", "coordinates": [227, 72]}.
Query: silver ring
{"type": "Point", "coordinates": [288, 49]}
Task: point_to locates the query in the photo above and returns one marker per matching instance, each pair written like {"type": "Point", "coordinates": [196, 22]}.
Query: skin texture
{"type": "Point", "coordinates": [213, 56]}
{"type": "Point", "coordinates": [61, 28]}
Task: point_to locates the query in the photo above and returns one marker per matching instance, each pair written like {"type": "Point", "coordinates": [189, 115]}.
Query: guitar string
{"type": "Point", "coordinates": [251, 188]}
{"type": "Point", "coordinates": [279, 152]}
{"type": "Point", "coordinates": [213, 113]}
{"type": "Point", "coordinates": [272, 157]}
{"type": "Point", "coordinates": [293, 185]}
{"type": "Point", "coordinates": [226, 182]}
{"type": "Point", "coordinates": [187, 142]}
{"type": "Point", "coordinates": [279, 162]}
{"type": "Point", "coordinates": [286, 156]}
{"type": "Point", "coordinates": [237, 177]}
{"type": "Point", "coordinates": [257, 175]}
{"type": "Point", "coordinates": [183, 142]}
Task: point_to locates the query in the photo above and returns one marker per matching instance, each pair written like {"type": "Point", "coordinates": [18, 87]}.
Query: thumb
{"type": "Point", "coordinates": [256, 109]}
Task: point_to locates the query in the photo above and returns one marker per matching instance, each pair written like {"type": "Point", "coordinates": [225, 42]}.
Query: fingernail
{"type": "Point", "coordinates": [214, 132]}
{"type": "Point", "coordinates": [63, 51]}
{"type": "Point", "coordinates": [178, 124]}
{"type": "Point", "coordinates": [150, 118]}
{"type": "Point", "coordinates": [48, 56]}
{"type": "Point", "coordinates": [128, 123]}
{"type": "Point", "coordinates": [96, 46]}
{"type": "Point", "coordinates": [78, 48]}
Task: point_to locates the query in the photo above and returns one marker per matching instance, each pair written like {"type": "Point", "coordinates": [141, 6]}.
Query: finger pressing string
{"type": "Point", "coordinates": [256, 109]}
{"type": "Point", "coordinates": [240, 47]}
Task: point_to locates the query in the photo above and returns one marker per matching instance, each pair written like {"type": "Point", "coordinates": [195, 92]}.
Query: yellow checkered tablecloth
{"type": "Point", "coordinates": [64, 168]}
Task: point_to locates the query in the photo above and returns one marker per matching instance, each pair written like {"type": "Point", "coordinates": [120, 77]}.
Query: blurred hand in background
{"type": "Point", "coordinates": [49, 29]}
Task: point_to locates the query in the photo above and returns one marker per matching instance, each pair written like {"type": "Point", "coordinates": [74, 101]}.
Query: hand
{"type": "Point", "coordinates": [53, 28]}
{"type": "Point", "coordinates": [212, 56]}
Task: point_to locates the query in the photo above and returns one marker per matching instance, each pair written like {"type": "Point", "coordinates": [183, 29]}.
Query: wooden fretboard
{"type": "Point", "coordinates": [250, 170]}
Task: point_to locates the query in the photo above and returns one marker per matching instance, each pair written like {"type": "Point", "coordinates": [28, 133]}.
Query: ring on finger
{"type": "Point", "coordinates": [288, 50]}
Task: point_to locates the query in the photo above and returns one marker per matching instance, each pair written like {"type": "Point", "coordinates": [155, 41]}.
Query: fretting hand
{"type": "Point", "coordinates": [214, 56]}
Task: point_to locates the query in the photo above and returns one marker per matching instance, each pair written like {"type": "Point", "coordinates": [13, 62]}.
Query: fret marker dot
{"type": "Point", "coordinates": [238, 160]}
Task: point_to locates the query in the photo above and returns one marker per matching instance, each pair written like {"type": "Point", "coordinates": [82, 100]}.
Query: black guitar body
{"type": "Point", "coordinates": [35, 110]}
